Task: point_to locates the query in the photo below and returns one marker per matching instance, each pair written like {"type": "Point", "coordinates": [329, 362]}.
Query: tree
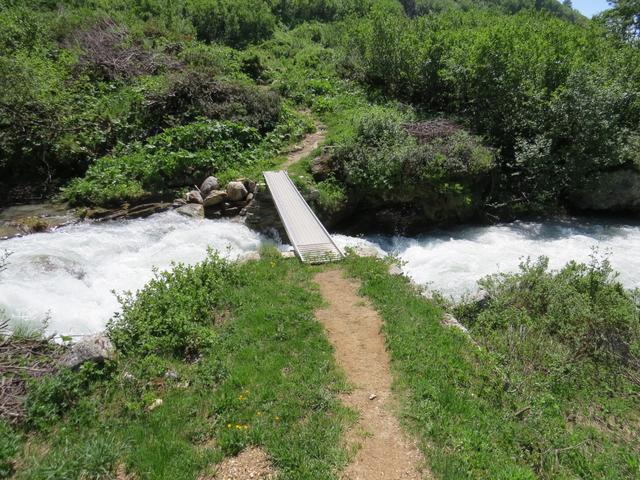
{"type": "Point", "coordinates": [624, 19]}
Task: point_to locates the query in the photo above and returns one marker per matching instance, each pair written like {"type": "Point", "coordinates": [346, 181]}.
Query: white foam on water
{"type": "Point", "coordinates": [69, 274]}
{"type": "Point", "coordinates": [453, 261]}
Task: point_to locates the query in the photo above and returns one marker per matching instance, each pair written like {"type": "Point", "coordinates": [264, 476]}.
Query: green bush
{"type": "Point", "coordinates": [557, 99]}
{"type": "Point", "coordinates": [174, 314]}
{"type": "Point", "coordinates": [589, 323]}
{"type": "Point", "coordinates": [234, 22]}
{"type": "Point", "coordinates": [177, 157]}
{"type": "Point", "coordinates": [385, 159]}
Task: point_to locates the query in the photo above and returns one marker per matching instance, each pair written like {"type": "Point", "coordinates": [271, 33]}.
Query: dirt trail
{"type": "Point", "coordinates": [309, 143]}
{"type": "Point", "coordinates": [353, 327]}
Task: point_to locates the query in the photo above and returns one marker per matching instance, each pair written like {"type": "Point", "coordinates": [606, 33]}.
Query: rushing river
{"type": "Point", "coordinates": [69, 276]}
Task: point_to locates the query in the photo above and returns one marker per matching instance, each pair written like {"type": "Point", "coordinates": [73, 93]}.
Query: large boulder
{"type": "Point", "coordinates": [194, 196]}
{"type": "Point", "coordinates": [191, 210]}
{"type": "Point", "coordinates": [617, 190]}
{"type": "Point", "coordinates": [97, 348]}
{"type": "Point", "coordinates": [210, 184]}
{"type": "Point", "coordinates": [236, 191]}
{"type": "Point", "coordinates": [216, 197]}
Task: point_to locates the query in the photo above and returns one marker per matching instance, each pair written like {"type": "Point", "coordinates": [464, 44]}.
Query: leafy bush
{"type": "Point", "coordinates": [588, 322]}
{"type": "Point", "coordinates": [177, 157]}
{"type": "Point", "coordinates": [198, 93]}
{"type": "Point", "coordinates": [541, 90]}
{"type": "Point", "coordinates": [50, 397]}
{"type": "Point", "coordinates": [174, 313]}
{"type": "Point", "coordinates": [234, 22]}
{"type": "Point", "coordinates": [385, 159]}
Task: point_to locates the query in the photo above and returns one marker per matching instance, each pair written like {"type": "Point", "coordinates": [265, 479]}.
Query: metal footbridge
{"type": "Point", "coordinates": [311, 241]}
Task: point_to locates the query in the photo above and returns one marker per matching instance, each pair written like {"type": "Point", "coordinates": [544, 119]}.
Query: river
{"type": "Point", "coordinates": [69, 276]}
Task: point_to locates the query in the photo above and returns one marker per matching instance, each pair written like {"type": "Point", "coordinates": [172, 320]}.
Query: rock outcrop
{"type": "Point", "coordinates": [97, 348]}
{"type": "Point", "coordinates": [614, 191]}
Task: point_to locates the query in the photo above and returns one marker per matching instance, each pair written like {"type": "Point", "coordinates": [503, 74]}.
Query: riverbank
{"type": "Point", "coordinates": [216, 359]}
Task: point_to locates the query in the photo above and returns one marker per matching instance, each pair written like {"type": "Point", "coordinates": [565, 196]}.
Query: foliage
{"type": "Point", "coordinates": [9, 447]}
{"type": "Point", "coordinates": [558, 100]}
{"type": "Point", "coordinates": [168, 317]}
{"type": "Point", "coordinates": [269, 381]}
{"type": "Point", "coordinates": [539, 395]}
{"type": "Point", "coordinates": [623, 19]}
{"type": "Point", "coordinates": [234, 22]}
{"type": "Point", "coordinates": [385, 159]}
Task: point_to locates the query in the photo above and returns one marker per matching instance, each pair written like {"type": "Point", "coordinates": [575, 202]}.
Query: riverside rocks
{"type": "Point", "coordinates": [97, 348]}
{"type": "Point", "coordinates": [191, 210]}
{"type": "Point", "coordinates": [236, 191]}
{"type": "Point", "coordinates": [214, 198]}
{"type": "Point", "coordinates": [194, 196]}
{"type": "Point", "coordinates": [210, 184]}
{"type": "Point", "coordinates": [217, 201]}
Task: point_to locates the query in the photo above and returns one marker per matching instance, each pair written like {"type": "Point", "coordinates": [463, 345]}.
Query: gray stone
{"type": "Point", "coordinates": [178, 202]}
{"type": "Point", "coordinates": [209, 185]}
{"type": "Point", "coordinates": [609, 191]}
{"type": "Point", "coordinates": [450, 321]}
{"type": "Point", "coordinates": [249, 197]}
{"type": "Point", "coordinates": [194, 197]}
{"type": "Point", "coordinates": [97, 348]}
{"type": "Point", "coordinates": [249, 257]}
{"type": "Point", "coordinates": [236, 191]}
{"type": "Point", "coordinates": [191, 210]}
{"type": "Point", "coordinates": [216, 197]}
{"type": "Point", "coordinates": [250, 185]}
{"type": "Point", "coordinates": [395, 269]}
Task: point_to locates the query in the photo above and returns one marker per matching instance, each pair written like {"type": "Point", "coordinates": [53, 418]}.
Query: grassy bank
{"type": "Point", "coordinates": [539, 395]}
{"type": "Point", "coordinates": [237, 359]}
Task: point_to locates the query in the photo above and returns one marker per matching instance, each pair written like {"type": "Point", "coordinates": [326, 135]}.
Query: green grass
{"type": "Point", "coordinates": [475, 419]}
{"type": "Point", "coordinates": [268, 380]}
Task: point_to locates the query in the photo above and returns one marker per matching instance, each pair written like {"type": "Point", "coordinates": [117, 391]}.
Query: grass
{"type": "Point", "coordinates": [269, 380]}
{"type": "Point", "coordinates": [471, 416]}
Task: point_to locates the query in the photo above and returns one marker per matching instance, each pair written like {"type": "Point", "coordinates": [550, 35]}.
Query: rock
{"type": "Point", "coordinates": [171, 375]}
{"type": "Point", "coordinates": [373, 396]}
{"type": "Point", "coordinates": [395, 269]}
{"type": "Point", "coordinates": [250, 197]}
{"type": "Point", "coordinates": [249, 257]}
{"type": "Point", "coordinates": [97, 348]}
{"type": "Point", "coordinates": [139, 211]}
{"type": "Point", "coordinates": [250, 185]}
{"type": "Point", "coordinates": [191, 210]}
{"type": "Point", "coordinates": [232, 211]}
{"type": "Point", "coordinates": [450, 321]}
{"type": "Point", "coordinates": [366, 251]}
{"type": "Point", "coordinates": [210, 184]}
{"type": "Point", "coordinates": [236, 191]}
{"type": "Point", "coordinates": [214, 198]}
{"type": "Point", "coordinates": [178, 202]}
{"type": "Point", "coordinates": [194, 196]}
{"type": "Point", "coordinates": [156, 403]}
{"type": "Point", "coordinates": [609, 191]}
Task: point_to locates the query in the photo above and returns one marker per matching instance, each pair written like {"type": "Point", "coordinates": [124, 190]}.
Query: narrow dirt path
{"type": "Point", "coordinates": [353, 327]}
{"type": "Point", "coordinates": [309, 143]}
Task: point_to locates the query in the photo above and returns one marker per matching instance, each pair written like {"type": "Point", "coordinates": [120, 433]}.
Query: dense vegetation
{"type": "Point", "coordinates": [449, 108]}
{"type": "Point", "coordinates": [550, 390]}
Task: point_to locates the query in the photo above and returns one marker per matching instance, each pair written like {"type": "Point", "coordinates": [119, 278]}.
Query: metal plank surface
{"type": "Point", "coordinates": [309, 238]}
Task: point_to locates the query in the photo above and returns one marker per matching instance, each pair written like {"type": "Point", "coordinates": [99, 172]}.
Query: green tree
{"type": "Point", "coordinates": [624, 19]}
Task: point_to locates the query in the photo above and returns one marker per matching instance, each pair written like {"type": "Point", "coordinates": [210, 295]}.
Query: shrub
{"type": "Point", "coordinates": [385, 158]}
{"type": "Point", "coordinates": [9, 445]}
{"type": "Point", "coordinates": [234, 22]}
{"type": "Point", "coordinates": [583, 315]}
{"type": "Point", "coordinates": [197, 93]}
{"type": "Point", "coordinates": [174, 313]}
{"type": "Point", "coordinates": [177, 157]}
